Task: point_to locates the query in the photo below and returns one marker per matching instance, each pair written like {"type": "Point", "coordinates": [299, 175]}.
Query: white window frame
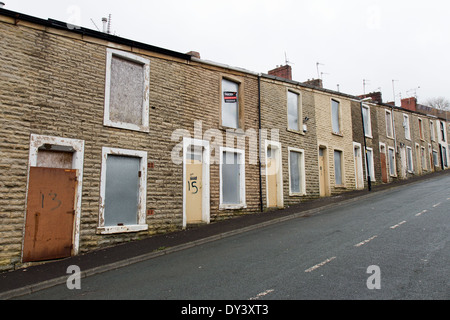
{"type": "Point", "coordinates": [342, 184]}
{"type": "Point", "coordinates": [407, 126]}
{"type": "Point", "coordinates": [299, 111]}
{"type": "Point", "coordinates": [368, 130]}
{"type": "Point", "coordinates": [423, 158]}
{"type": "Point", "coordinates": [421, 129]}
{"type": "Point", "coordinates": [144, 127]}
{"type": "Point", "coordinates": [339, 116]}
{"type": "Point", "coordinates": [372, 165]}
{"type": "Point", "coordinates": [302, 171]}
{"type": "Point", "coordinates": [389, 124]}
{"type": "Point", "coordinates": [359, 171]}
{"type": "Point", "coordinates": [279, 158]}
{"type": "Point", "coordinates": [436, 158]}
{"type": "Point", "coordinates": [409, 149]}
{"type": "Point", "coordinates": [432, 131]}
{"type": "Point", "coordinates": [206, 161]}
{"type": "Point", "coordinates": [395, 162]}
{"type": "Point", "coordinates": [242, 204]}
{"type": "Point", "coordinates": [141, 218]}
{"type": "Point", "coordinates": [240, 101]}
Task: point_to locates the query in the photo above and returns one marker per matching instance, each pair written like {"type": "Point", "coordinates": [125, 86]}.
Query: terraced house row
{"type": "Point", "coordinates": [105, 140]}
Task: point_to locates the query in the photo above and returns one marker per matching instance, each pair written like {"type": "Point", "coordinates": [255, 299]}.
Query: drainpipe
{"type": "Point", "coordinates": [393, 130]}
{"type": "Point", "coordinates": [259, 147]}
{"type": "Point", "coordinates": [369, 180]}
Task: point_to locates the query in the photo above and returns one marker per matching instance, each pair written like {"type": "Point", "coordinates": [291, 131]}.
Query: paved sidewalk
{"type": "Point", "coordinates": [35, 278]}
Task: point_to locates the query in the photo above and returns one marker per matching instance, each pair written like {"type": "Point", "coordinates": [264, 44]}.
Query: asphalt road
{"type": "Point", "coordinates": [402, 237]}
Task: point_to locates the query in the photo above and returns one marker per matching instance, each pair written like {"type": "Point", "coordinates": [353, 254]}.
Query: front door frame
{"type": "Point", "coordinates": [359, 173]}
{"type": "Point", "coordinates": [187, 142]}
{"type": "Point", "coordinates": [62, 144]}
{"type": "Point", "coordinates": [275, 145]}
{"type": "Point", "coordinates": [324, 186]}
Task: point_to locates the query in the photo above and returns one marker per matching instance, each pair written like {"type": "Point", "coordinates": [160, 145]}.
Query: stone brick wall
{"type": "Point", "coordinates": [53, 83]}
{"type": "Point", "coordinates": [372, 141]}
{"type": "Point", "coordinates": [332, 141]}
{"type": "Point", "coordinates": [274, 116]}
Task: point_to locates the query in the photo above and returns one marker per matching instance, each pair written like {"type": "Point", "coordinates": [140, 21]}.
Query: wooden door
{"type": "Point", "coordinates": [194, 188]}
{"type": "Point", "coordinates": [358, 173]}
{"type": "Point", "coordinates": [272, 183]}
{"type": "Point", "coordinates": [323, 185]}
{"type": "Point", "coordinates": [50, 214]}
{"type": "Point", "coordinates": [384, 176]}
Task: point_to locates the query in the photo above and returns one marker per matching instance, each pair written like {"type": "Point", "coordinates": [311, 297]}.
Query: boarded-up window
{"type": "Point", "coordinates": [230, 104]}
{"type": "Point", "coordinates": [338, 167]}
{"type": "Point", "coordinates": [127, 91]}
{"type": "Point", "coordinates": [371, 169]}
{"type": "Point", "coordinates": [366, 119]}
{"type": "Point", "coordinates": [122, 190]}
{"type": "Point", "coordinates": [406, 126]}
{"type": "Point", "coordinates": [392, 169]}
{"type": "Point", "coordinates": [335, 116]}
{"type": "Point", "coordinates": [293, 111]}
{"type": "Point", "coordinates": [231, 178]}
{"type": "Point", "coordinates": [389, 130]}
{"type": "Point", "coordinates": [421, 129]}
{"type": "Point", "coordinates": [296, 172]}
{"type": "Point", "coordinates": [409, 159]}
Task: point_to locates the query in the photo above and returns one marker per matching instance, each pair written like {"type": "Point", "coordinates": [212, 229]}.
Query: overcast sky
{"type": "Point", "coordinates": [377, 41]}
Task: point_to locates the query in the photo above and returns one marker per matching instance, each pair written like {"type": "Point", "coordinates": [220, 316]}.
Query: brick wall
{"type": "Point", "coordinates": [372, 141]}
{"type": "Point", "coordinates": [342, 141]}
{"type": "Point", "coordinates": [53, 83]}
{"type": "Point", "coordinates": [274, 116]}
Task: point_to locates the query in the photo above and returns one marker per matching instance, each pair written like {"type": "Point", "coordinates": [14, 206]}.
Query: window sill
{"type": "Point", "coordinates": [302, 133]}
{"type": "Point", "coordinates": [234, 130]}
{"type": "Point", "coordinates": [337, 134]}
{"type": "Point", "coordinates": [122, 229]}
{"type": "Point", "coordinates": [297, 194]}
{"type": "Point", "coordinates": [232, 206]}
{"type": "Point", "coordinates": [126, 126]}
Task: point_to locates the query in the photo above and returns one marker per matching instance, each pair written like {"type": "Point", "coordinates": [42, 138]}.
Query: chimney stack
{"type": "Point", "coordinates": [318, 83]}
{"type": "Point", "coordinates": [375, 96]}
{"type": "Point", "coordinates": [409, 104]}
{"type": "Point", "coordinates": [284, 72]}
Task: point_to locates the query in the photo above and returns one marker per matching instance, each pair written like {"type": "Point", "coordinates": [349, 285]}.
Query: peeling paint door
{"type": "Point", "coordinates": [323, 183]}
{"type": "Point", "coordinates": [272, 178]}
{"type": "Point", "coordinates": [194, 187]}
{"type": "Point", "coordinates": [50, 214]}
{"type": "Point", "coordinates": [384, 176]}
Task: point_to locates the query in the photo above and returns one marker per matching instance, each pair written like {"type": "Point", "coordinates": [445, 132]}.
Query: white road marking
{"type": "Point", "coordinates": [365, 241]}
{"type": "Point", "coordinates": [437, 205]}
{"type": "Point", "coordinates": [262, 294]}
{"type": "Point", "coordinates": [398, 225]}
{"type": "Point", "coordinates": [320, 265]}
{"type": "Point", "coordinates": [420, 213]}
